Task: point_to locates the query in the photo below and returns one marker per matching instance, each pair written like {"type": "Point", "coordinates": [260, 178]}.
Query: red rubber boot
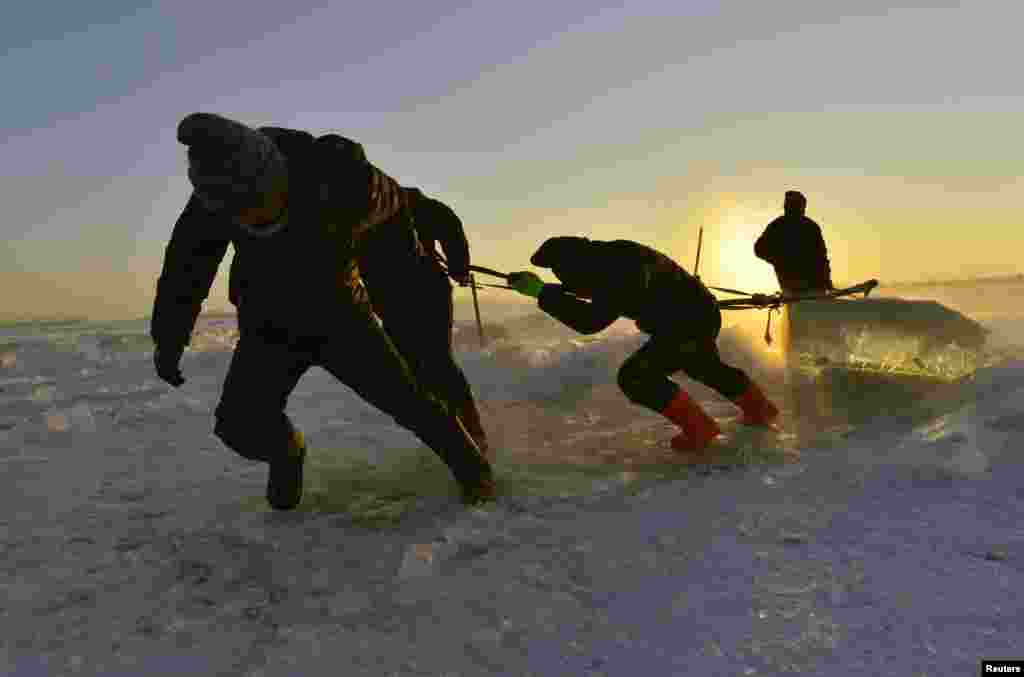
{"type": "Point", "coordinates": [698, 429]}
{"type": "Point", "coordinates": [757, 409]}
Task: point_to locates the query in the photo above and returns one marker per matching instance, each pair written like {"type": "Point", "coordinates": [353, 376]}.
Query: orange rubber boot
{"type": "Point", "coordinates": [757, 409]}
{"type": "Point", "coordinates": [698, 429]}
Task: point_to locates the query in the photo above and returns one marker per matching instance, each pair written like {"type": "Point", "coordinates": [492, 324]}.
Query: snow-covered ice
{"type": "Point", "coordinates": [134, 543]}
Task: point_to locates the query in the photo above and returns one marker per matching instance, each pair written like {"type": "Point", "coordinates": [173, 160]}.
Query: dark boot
{"type": "Point", "coordinates": [698, 429]}
{"type": "Point", "coordinates": [757, 409]}
{"type": "Point", "coordinates": [284, 482]}
{"type": "Point", "coordinates": [444, 433]}
{"type": "Point", "coordinates": [481, 491]}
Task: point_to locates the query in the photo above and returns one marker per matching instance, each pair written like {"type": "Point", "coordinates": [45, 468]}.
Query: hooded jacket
{"type": "Point", "coordinates": [621, 278]}
{"type": "Point", "coordinates": [793, 244]}
{"type": "Point", "coordinates": [438, 224]}
{"type": "Point", "coordinates": [408, 242]}
{"type": "Point", "coordinates": [296, 278]}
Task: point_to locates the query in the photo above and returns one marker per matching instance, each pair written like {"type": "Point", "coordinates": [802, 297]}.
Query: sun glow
{"type": "Point", "coordinates": [727, 257]}
{"type": "Point", "coordinates": [727, 260]}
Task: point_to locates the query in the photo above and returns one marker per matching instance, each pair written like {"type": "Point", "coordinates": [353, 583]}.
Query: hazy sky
{"type": "Point", "coordinates": [639, 119]}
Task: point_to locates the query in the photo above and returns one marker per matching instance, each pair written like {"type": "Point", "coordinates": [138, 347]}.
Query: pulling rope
{"type": "Point", "coordinates": [773, 303]}
{"type": "Point", "coordinates": [473, 286]}
{"type": "Point", "coordinates": [768, 326]}
{"type": "Point", "coordinates": [731, 291]}
{"type": "Point", "coordinates": [473, 283]}
{"type": "Point", "coordinates": [488, 271]}
{"type": "Point", "coordinates": [476, 309]}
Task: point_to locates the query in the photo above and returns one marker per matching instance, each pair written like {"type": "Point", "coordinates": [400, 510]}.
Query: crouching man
{"type": "Point", "coordinates": [603, 281]}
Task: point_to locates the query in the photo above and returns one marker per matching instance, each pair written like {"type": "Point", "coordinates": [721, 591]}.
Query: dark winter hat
{"type": "Point", "coordinates": [231, 166]}
{"type": "Point", "coordinates": [795, 200]}
{"type": "Point", "coordinates": [559, 251]}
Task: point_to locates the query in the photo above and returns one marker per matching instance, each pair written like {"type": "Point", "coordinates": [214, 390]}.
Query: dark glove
{"type": "Point", "coordinates": [460, 276]}
{"type": "Point", "coordinates": [166, 361]}
{"type": "Point", "coordinates": [526, 283]}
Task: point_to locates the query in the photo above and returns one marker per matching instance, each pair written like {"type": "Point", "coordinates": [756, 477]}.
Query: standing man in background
{"type": "Point", "coordinates": [793, 244]}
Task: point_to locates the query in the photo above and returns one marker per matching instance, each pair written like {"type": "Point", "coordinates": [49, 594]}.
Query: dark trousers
{"type": "Point", "coordinates": [417, 312]}
{"type": "Point", "coordinates": [421, 328]}
{"type": "Point", "coordinates": [267, 365]}
{"type": "Point", "coordinates": [690, 348]}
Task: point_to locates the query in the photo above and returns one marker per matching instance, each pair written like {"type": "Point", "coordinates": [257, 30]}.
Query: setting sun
{"type": "Point", "coordinates": [727, 256]}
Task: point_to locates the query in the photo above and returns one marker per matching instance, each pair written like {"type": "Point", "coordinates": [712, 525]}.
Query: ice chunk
{"type": "Point", "coordinates": [78, 418]}
{"type": "Point", "coordinates": [81, 418]}
{"type": "Point", "coordinates": [958, 442]}
{"type": "Point", "coordinates": [56, 422]}
{"type": "Point", "coordinates": [419, 560]}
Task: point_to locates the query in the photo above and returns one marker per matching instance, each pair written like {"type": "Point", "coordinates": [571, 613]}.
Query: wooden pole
{"type": "Point", "coordinates": [700, 241]}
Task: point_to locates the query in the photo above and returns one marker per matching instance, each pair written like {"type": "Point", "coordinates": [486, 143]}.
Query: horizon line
{"type": "Point", "coordinates": [59, 318]}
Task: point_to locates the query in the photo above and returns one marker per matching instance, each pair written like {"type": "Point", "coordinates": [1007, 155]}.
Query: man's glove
{"type": "Point", "coordinates": [526, 283]}
{"type": "Point", "coordinates": [166, 361]}
{"type": "Point", "coordinates": [460, 276]}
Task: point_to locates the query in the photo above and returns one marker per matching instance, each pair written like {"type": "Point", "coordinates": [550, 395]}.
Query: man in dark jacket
{"type": "Point", "coordinates": [793, 244]}
{"type": "Point", "coordinates": [411, 293]}
{"type": "Point", "coordinates": [293, 206]}
{"type": "Point", "coordinates": [603, 281]}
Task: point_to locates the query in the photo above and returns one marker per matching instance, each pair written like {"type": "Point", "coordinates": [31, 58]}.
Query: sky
{"type": "Point", "coordinates": [642, 120]}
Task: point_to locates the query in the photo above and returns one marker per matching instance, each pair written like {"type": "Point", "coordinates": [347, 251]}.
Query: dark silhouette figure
{"type": "Point", "coordinates": [603, 281]}
{"type": "Point", "coordinates": [793, 244]}
{"type": "Point", "coordinates": [293, 206]}
{"type": "Point", "coordinates": [410, 292]}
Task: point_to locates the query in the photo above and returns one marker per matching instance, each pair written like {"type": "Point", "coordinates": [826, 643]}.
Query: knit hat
{"type": "Point", "coordinates": [572, 260]}
{"type": "Point", "coordinates": [795, 201]}
{"type": "Point", "coordinates": [560, 251]}
{"type": "Point", "coordinates": [231, 166]}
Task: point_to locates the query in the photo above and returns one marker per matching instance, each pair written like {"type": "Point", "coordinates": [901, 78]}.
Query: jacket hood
{"type": "Point", "coordinates": [560, 251]}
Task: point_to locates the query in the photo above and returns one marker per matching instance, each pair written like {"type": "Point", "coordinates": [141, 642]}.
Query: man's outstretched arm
{"type": "Point", "coordinates": [586, 317]}
{"type": "Point", "coordinates": [767, 246]}
{"type": "Point", "coordinates": [197, 246]}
